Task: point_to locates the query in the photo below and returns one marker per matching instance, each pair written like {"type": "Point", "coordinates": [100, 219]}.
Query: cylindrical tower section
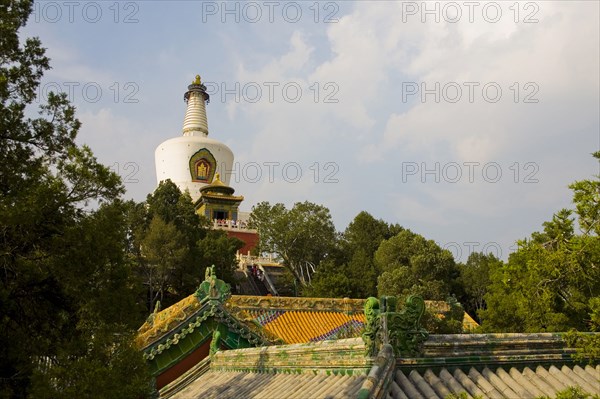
{"type": "Point", "coordinates": [195, 122]}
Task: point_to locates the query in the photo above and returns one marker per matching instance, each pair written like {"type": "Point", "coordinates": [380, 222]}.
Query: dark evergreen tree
{"type": "Point", "coordinates": [474, 281]}
{"type": "Point", "coordinates": [171, 245]}
{"type": "Point", "coordinates": [351, 271]}
{"type": "Point", "coordinates": [67, 296]}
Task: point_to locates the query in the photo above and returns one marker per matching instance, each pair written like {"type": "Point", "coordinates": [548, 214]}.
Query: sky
{"type": "Point", "coordinates": [463, 121]}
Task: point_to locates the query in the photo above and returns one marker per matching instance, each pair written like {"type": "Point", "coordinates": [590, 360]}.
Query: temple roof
{"type": "Point", "coordinates": [161, 322]}
{"type": "Point", "coordinates": [494, 382]}
{"type": "Point", "coordinates": [293, 320]}
{"type": "Point", "coordinates": [297, 327]}
{"type": "Point", "coordinates": [498, 382]}
{"type": "Point", "coordinates": [231, 384]}
{"type": "Point", "coordinates": [338, 369]}
{"type": "Point", "coordinates": [217, 187]}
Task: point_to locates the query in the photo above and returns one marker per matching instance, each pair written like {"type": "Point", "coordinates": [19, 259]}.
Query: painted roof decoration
{"type": "Point", "coordinates": [194, 327]}
{"type": "Point", "coordinates": [160, 323]}
{"type": "Point", "coordinates": [291, 320]}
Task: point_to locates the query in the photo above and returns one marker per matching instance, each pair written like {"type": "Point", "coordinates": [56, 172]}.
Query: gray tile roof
{"type": "Point", "coordinates": [222, 385]}
{"type": "Point", "coordinates": [495, 366]}
{"type": "Point", "coordinates": [494, 383]}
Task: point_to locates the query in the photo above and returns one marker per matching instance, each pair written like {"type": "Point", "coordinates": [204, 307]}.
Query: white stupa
{"type": "Point", "coordinates": [192, 160]}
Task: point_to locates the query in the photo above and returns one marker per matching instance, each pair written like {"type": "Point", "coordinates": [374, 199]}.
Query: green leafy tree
{"type": "Point", "coordinates": [474, 280]}
{"type": "Point", "coordinates": [551, 282]}
{"type": "Point", "coordinates": [330, 282]}
{"type": "Point", "coordinates": [572, 393]}
{"type": "Point", "coordinates": [351, 270]}
{"type": "Point", "coordinates": [67, 295]}
{"type": "Point", "coordinates": [413, 265]}
{"type": "Point", "coordinates": [170, 246]}
{"type": "Point", "coordinates": [219, 250]}
{"type": "Point", "coordinates": [301, 237]}
{"type": "Point", "coordinates": [586, 196]}
{"type": "Point", "coordinates": [441, 320]}
{"type": "Point", "coordinates": [366, 233]}
{"type": "Point", "coordinates": [164, 252]}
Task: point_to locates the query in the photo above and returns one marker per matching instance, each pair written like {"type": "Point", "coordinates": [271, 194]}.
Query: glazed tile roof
{"type": "Point", "coordinates": [287, 319]}
{"type": "Point", "coordinates": [495, 366]}
{"type": "Point", "coordinates": [222, 385]}
{"type": "Point", "coordinates": [495, 383]}
{"type": "Point", "coordinates": [299, 320]}
{"type": "Point", "coordinates": [296, 320]}
{"type": "Point", "coordinates": [297, 327]}
{"type": "Point", "coordinates": [160, 323]}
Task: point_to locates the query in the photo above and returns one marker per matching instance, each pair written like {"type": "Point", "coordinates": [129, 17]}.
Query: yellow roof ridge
{"type": "Point", "coordinates": [161, 322]}
{"type": "Point", "coordinates": [298, 303]}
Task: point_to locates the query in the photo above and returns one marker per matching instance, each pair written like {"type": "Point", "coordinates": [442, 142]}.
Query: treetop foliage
{"type": "Point", "coordinates": [67, 294]}
{"type": "Point", "coordinates": [302, 236]}
{"type": "Point", "coordinates": [552, 281]}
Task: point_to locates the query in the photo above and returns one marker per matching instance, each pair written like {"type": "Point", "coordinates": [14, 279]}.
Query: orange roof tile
{"type": "Point", "coordinates": [301, 326]}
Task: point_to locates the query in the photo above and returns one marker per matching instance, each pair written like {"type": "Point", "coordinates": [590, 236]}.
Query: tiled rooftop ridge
{"type": "Point", "coordinates": [496, 383]}
{"type": "Point", "coordinates": [444, 350]}
{"type": "Point", "coordinates": [297, 303]}
{"type": "Point", "coordinates": [328, 369]}
{"type": "Point", "coordinates": [229, 384]}
{"type": "Point", "coordinates": [343, 356]}
{"type": "Point", "coordinates": [265, 310]}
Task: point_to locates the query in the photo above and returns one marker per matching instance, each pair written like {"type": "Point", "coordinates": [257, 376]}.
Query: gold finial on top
{"type": "Point", "coordinates": [197, 80]}
{"type": "Point", "coordinates": [217, 177]}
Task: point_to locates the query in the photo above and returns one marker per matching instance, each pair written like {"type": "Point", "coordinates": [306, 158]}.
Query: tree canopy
{"type": "Point", "coordinates": [551, 282]}
{"type": "Point", "coordinates": [67, 294]}
{"type": "Point", "coordinates": [351, 270]}
{"type": "Point", "coordinates": [171, 245]}
{"type": "Point", "coordinates": [302, 236]}
{"type": "Point", "coordinates": [474, 281]}
{"type": "Point", "coordinates": [410, 264]}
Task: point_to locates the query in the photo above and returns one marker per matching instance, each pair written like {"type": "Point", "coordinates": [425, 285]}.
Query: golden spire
{"type": "Point", "coordinates": [197, 81]}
